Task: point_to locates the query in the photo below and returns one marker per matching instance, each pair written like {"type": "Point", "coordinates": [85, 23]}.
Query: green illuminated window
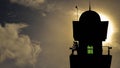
{"type": "Point", "coordinates": [89, 49]}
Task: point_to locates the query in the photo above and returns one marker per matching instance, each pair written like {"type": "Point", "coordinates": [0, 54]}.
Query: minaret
{"type": "Point", "coordinates": [89, 33]}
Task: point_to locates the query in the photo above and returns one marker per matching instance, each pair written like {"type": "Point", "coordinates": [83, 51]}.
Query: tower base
{"type": "Point", "coordinates": [91, 61]}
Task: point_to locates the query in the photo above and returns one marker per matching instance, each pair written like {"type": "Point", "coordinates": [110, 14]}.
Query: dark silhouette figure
{"type": "Point", "coordinates": [74, 47]}
{"type": "Point", "coordinates": [90, 31]}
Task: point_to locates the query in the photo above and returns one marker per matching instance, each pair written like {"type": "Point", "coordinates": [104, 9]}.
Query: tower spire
{"type": "Point", "coordinates": [89, 5]}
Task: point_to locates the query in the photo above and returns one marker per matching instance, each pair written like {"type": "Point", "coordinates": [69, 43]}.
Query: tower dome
{"type": "Point", "coordinates": [89, 17]}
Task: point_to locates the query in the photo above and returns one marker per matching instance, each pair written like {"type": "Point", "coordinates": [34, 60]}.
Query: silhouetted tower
{"type": "Point", "coordinates": [88, 33]}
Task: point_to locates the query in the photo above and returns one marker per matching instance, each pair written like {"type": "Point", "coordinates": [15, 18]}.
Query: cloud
{"type": "Point", "coordinates": [28, 3]}
{"type": "Point", "coordinates": [17, 46]}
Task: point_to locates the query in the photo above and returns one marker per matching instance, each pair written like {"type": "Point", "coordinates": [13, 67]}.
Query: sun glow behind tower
{"type": "Point", "coordinates": [103, 17]}
{"type": "Point", "coordinates": [111, 30]}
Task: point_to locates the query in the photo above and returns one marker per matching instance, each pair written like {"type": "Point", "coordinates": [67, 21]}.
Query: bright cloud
{"type": "Point", "coordinates": [16, 46]}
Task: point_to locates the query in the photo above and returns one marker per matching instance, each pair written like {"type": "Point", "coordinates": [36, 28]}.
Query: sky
{"type": "Point", "coordinates": [38, 33]}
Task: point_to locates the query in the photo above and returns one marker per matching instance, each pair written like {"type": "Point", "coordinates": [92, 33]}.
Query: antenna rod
{"type": "Point", "coordinates": [77, 11]}
{"type": "Point", "coordinates": [89, 5]}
